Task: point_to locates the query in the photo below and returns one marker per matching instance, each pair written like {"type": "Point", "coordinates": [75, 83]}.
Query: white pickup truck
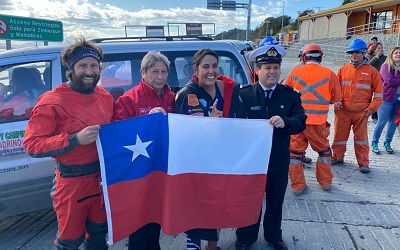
{"type": "Point", "coordinates": [25, 182]}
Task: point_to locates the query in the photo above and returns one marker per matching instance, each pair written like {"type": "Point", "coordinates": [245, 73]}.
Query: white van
{"type": "Point", "coordinates": [25, 182]}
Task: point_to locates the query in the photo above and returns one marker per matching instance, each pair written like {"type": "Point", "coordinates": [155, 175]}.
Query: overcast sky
{"type": "Point", "coordinates": [108, 18]}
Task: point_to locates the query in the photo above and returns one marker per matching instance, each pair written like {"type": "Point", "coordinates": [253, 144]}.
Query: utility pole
{"type": "Point", "coordinates": [231, 6]}
{"type": "Point", "coordinates": [318, 7]}
{"type": "Point", "coordinates": [298, 24]}
{"type": "Point", "coordinates": [266, 28]}
{"type": "Point", "coordinates": [248, 19]}
{"type": "Point", "coordinates": [309, 13]}
{"type": "Point", "coordinates": [283, 13]}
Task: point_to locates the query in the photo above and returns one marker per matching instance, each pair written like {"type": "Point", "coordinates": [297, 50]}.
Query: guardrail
{"type": "Point", "coordinates": [375, 28]}
{"type": "Point", "coordinates": [335, 44]}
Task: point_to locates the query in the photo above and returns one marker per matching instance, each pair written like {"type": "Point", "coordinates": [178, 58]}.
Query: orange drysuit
{"type": "Point", "coordinates": [362, 90]}
{"type": "Point", "coordinates": [76, 193]}
{"type": "Point", "coordinates": [319, 87]}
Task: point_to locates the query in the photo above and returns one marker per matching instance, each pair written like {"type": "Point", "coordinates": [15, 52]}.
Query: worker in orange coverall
{"type": "Point", "coordinates": [362, 96]}
{"type": "Point", "coordinates": [319, 87]}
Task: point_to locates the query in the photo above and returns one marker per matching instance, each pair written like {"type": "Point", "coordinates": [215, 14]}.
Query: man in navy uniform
{"type": "Point", "coordinates": [281, 105]}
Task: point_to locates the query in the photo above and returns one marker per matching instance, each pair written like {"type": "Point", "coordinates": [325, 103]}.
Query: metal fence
{"type": "Point", "coordinates": [335, 44]}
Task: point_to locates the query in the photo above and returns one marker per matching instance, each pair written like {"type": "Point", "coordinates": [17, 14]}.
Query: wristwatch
{"type": "Point", "coordinates": [71, 136]}
{"type": "Point", "coordinates": [73, 139]}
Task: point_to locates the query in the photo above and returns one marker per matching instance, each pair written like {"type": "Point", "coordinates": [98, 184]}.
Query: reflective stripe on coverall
{"type": "Point", "coordinates": [318, 91]}
{"type": "Point", "coordinates": [316, 135]}
{"type": "Point", "coordinates": [344, 121]}
{"type": "Point", "coordinates": [359, 85]}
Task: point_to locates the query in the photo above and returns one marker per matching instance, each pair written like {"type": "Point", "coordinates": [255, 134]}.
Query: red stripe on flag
{"type": "Point", "coordinates": [185, 201]}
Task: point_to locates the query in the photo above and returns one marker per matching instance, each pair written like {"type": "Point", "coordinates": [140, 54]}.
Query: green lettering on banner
{"type": "Point", "coordinates": [32, 29]}
{"type": "Point", "coordinates": [15, 134]}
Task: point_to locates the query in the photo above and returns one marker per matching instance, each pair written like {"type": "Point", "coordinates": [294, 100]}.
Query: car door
{"type": "Point", "coordinates": [25, 182]}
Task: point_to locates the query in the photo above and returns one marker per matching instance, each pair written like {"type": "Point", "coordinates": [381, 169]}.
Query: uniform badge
{"type": "Point", "coordinates": [255, 108]}
{"type": "Point", "coordinates": [143, 111]}
{"type": "Point", "coordinates": [192, 100]}
{"type": "Point", "coordinates": [203, 102]}
{"type": "Point", "coordinates": [282, 107]}
{"type": "Point", "coordinates": [272, 52]}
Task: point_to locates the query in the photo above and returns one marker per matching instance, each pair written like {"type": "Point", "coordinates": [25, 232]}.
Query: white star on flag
{"type": "Point", "coordinates": [139, 148]}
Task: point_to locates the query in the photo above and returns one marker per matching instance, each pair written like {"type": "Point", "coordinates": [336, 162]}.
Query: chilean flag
{"type": "Point", "coordinates": [183, 172]}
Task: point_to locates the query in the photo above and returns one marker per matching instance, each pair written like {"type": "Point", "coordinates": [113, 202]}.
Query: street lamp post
{"type": "Point", "coordinates": [283, 13]}
{"type": "Point", "coordinates": [266, 29]}
{"type": "Point", "coordinates": [298, 24]}
{"type": "Point", "coordinates": [308, 32]}
{"type": "Point", "coordinates": [248, 19]}
{"type": "Point", "coordinates": [231, 6]}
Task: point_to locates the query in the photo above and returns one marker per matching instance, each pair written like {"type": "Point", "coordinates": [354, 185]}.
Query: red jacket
{"type": "Point", "coordinates": [140, 100]}
{"type": "Point", "coordinates": [64, 111]}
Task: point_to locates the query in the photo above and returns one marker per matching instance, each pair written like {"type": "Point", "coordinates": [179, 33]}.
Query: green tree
{"type": "Point", "coordinates": [295, 24]}
{"type": "Point", "coordinates": [233, 34]}
{"type": "Point", "coordinates": [274, 27]}
{"type": "Point", "coordinates": [304, 12]}
{"type": "Point", "coordinates": [348, 1]}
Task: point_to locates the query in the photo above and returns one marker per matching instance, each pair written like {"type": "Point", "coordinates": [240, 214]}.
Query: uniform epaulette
{"type": "Point", "coordinates": [289, 87]}
{"type": "Point", "coordinates": [242, 86]}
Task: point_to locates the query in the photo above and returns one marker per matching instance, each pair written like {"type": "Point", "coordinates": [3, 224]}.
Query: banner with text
{"type": "Point", "coordinates": [194, 29]}
{"type": "Point", "coordinates": [11, 142]}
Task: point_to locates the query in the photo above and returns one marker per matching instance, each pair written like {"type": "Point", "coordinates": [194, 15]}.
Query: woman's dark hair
{"type": "Point", "coordinates": [201, 54]}
{"type": "Point", "coordinates": [25, 80]}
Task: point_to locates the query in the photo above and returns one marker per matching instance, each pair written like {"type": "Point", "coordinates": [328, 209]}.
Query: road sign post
{"type": "Point", "coordinates": [30, 29]}
{"type": "Point", "coordinates": [231, 6]}
{"type": "Point", "coordinates": [214, 4]}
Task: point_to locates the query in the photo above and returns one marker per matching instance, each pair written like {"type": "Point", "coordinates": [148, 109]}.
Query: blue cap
{"type": "Point", "coordinates": [269, 40]}
{"type": "Point", "coordinates": [268, 54]}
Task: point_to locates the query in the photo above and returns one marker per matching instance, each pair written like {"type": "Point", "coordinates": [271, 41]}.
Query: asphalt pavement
{"type": "Point", "coordinates": [361, 211]}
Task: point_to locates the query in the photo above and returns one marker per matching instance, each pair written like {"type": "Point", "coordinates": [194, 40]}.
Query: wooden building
{"type": "Point", "coordinates": [358, 18]}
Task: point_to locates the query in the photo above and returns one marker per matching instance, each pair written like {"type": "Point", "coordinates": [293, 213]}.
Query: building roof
{"type": "Point", "coordinates": [355, 7]}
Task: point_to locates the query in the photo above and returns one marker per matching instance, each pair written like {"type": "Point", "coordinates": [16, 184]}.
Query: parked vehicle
{"type": "Point", "coordinates": [243, 46]}
{"type": "Point", "coordinates": [25, 182]}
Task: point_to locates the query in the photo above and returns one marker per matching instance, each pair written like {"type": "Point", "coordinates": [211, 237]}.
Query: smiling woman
{"type": "Point", "coordinates": [208, 94]}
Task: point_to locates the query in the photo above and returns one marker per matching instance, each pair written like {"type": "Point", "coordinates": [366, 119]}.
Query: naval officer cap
{"type": "Point", "coordinates": [268, 54]}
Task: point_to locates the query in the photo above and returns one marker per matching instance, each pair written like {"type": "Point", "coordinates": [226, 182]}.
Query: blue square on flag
{"type": "Point", "coordinates": [138, 145]}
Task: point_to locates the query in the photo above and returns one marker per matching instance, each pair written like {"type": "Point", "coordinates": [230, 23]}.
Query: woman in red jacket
{"type": "Point", "coordinates": [151, 95]}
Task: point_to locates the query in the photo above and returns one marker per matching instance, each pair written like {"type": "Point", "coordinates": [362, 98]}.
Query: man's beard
{"type": "Point", "coordinates": [80, 84]}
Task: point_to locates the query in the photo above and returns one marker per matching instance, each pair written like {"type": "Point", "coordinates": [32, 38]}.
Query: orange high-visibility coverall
{"type": "Point", "coordinates": [361, 90]}
{"type": "Point", "coordinates": [319, 87]}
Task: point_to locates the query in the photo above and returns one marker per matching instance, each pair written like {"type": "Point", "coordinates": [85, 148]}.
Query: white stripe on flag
{"type": "Point", "coordinates": [105, 190]}
{"type": "Point", "coordinates": [235, 146]}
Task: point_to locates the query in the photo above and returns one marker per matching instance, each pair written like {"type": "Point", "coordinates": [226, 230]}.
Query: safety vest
{"type": "Point", "coordinates": [312, 81]}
